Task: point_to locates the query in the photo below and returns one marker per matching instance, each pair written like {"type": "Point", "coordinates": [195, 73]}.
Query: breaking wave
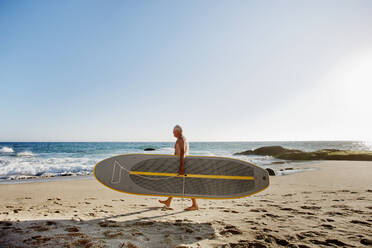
{"type": "Point", "coordinates": [27, 165]}
{"type": "Point", "coordinates": [25, 154]}
{"type": "Point", "coordinates": [6, 149]}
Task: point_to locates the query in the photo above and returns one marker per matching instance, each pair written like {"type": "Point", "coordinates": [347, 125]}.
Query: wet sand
{"type": "Point", "coordinates": [327, 207]}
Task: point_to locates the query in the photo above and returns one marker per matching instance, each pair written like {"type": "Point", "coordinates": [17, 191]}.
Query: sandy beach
{"type": "Point", "coordinates": [208, 99]}
{"type": "Point", "coordinates": [330, 206]}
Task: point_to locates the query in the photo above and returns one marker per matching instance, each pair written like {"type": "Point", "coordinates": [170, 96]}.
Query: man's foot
{"type": "Point", "coordinates": [166, 203]}
{"type": "Point", "coordinates": [192, 208]}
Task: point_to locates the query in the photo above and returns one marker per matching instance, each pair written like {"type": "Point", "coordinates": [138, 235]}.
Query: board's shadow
{"type": "Point", "coordinates": [110, 231]}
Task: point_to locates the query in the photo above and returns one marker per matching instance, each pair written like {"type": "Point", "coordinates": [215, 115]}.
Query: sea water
{"type": "Point", "coordinates": [25, 160]}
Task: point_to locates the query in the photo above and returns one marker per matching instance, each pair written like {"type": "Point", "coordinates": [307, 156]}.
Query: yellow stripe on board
{"type": "Point", "coordinates": [189, 175]}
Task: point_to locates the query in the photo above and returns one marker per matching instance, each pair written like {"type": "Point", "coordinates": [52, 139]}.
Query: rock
{"type": "Point", "coordinates": [149, 149]}
{"type": "Point", "coordinates": [329, 154]}
{"type": "Point", "coordinates": [267, 151]}
{"type": "Point", "coordinates": [299, 156]}
{"type": "Point", "coordinates": [273, 150]}
{"type": "Point", "coordinates": [271, 172]}
{"type": "Point", "coordinates": [248, 152]}
{"type": "Point", "coordinates": [324, 154]}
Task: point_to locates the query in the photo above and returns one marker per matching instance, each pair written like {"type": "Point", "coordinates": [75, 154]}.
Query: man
{"type": "Point", "coordinates": [181, 149]}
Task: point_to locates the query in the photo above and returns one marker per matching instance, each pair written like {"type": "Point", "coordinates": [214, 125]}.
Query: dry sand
{"type": "Point", "coordinates": [328, 207]}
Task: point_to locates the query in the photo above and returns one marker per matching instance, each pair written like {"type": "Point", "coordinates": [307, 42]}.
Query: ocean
{"type": "Point", "coordinates": [23, 161]}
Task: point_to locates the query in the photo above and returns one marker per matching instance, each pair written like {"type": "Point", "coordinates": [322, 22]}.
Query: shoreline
{"type": "Point", "coordinates": [35, 179]}
{"type": "Point", "coordinates": [282, 169]}
{"type": "Point", "coordinates": [326, 207]}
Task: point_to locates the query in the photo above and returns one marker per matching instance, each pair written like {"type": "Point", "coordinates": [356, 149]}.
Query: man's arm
{"type": "Point", "coordinates": [181, 145]}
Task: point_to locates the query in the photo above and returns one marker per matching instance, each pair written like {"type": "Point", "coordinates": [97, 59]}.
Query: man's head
{"type": "Point", "coordinates": [177, 131]}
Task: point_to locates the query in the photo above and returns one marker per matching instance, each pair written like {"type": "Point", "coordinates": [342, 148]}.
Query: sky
{"type": "Point", "coordinates": [224, 70]}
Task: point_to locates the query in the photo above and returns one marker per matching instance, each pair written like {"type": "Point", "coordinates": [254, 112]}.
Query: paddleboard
{"type": "Point", "coordinates": [205, 177]}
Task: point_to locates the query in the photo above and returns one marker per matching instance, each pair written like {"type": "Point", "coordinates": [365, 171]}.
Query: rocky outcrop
{"type": "Point", "coordinates": [324, 154]}
{"type": "Point", "coordinates": [327, 154]}
{"type": "Point", "coordinates": [271, 172]}
{"type": "Point", "coordinates": [149, 149]}
{"type": "Point", "coordinates": [268, 151]}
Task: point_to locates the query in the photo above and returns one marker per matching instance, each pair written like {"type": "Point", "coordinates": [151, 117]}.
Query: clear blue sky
{"type": "Point", "coordinates": [224, 70]}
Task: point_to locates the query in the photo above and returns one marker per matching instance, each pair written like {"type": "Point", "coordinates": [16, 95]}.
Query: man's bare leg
{"type": "Point", "coordinates": [167, 202]}
{"type": "Point", "coordinates": [194, 205]}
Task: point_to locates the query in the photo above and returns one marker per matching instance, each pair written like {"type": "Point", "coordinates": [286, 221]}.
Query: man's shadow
{"type": "Point", "coordinates": [111, 231]}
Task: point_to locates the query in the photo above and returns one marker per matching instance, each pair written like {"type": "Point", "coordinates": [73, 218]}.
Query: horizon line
{"type": "Point", "coordinates": [195, 141]}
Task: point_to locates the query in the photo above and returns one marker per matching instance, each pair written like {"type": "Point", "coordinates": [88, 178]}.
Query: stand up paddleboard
{"type": "Point", "coordinates": [205, 177]}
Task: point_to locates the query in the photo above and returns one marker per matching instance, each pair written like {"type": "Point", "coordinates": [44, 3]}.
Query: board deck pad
{"type": "Point", "coordinates": [205, 177]}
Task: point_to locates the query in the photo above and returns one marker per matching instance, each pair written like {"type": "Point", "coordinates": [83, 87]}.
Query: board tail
{"type": "Point", "coordinates": [117, 169]}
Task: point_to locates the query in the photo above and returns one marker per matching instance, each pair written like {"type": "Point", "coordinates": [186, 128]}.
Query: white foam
{"type": "Point", "coordinates": [40, 165]}
{"type": "Point", "coordinates": [6, 149]}
{"type": "Point", "coordinates": [167, 149]}
{"type": "Point", "coordinates": [25, 154]}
